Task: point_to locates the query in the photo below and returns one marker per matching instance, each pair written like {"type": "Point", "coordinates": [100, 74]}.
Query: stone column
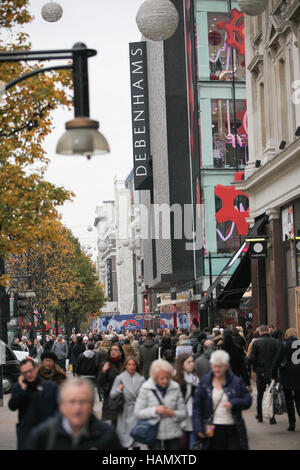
{"type": "Point", "coordinates": [277, 269]}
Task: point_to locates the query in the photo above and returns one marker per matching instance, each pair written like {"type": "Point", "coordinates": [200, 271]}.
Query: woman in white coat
{"type": "Point", "coordinates": [128, 383]}
{"type": "Point", "coordinates": [171, 411]}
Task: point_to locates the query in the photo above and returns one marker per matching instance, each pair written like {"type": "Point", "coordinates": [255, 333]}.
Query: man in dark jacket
{"type": "Point", "coordinates": [78, 348]}
{"type": "Point", "coordinates": [89, 361]}
{"type": "Point", "coordinates": [202, 364]}
{"type": "Point", "coordinates": [49, 344]}
{"type": "Point", "coordinates": [75, 427]}
{"type": "Point", "coordinates": [148, 352]}
{"type": "Point", "coordinates": [34, 398]}
{"type": "Point", "coordinates": [263, 352]}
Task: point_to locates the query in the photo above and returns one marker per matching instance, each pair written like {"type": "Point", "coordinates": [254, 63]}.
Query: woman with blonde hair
{"type": "Point", "coordinates": [286, 369]}
{"type": "Point", "coordinates": [160, 400]}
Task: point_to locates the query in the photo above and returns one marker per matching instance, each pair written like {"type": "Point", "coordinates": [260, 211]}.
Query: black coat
{"type": "Point", "coordinates": [52, 436]}
{"type": "Point", "coordinates": [48, 345]}
{"type": "Point", "coordinates": [148, 352]}
{"type": "Point", "coordinates": [105, 382]}
{"type": "Point", "coordinates": [284, 368]}
{"type": "Point", "coordinates": [262, 355]}
{"type": "Point", "coordinates": [237, 362]}
{"type": "Point", "coordinates": [35, 404]}
{"type": "Point", "coordinates": [89, 366]}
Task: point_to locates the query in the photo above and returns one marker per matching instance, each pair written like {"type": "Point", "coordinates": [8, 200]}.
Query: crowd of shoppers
{"type": "Point", "coordinates": [193, 385]}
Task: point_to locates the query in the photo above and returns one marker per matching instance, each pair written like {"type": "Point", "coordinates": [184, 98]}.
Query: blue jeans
{"type": "Point", "coordinates": [170, 444]}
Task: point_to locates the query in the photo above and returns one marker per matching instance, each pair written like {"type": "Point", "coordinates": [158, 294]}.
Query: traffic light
{"type": "Point", "coordinates": [20, 305]}
{"type": "Point", "coordinates": [4, 305]}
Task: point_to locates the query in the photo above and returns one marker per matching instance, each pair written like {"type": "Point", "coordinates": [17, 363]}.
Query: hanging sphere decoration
{"type": "Point", "coordinates": [52, 12]}
{"type": "Point", "coordinates": [157, 20]}
{"type": "Point", "coordinates": [253, 7]}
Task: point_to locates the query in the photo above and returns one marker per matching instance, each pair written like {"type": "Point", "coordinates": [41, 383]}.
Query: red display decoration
{"type": "Point", "coordinates": [229, 212]}
{"type": "Point", "coordinates": [235, 29]}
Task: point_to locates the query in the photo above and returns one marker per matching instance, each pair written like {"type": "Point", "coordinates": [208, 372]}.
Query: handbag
{"type": "Point", "coordinates": [279, 399]}
{"type": "Point", "coordinates": [145, 432]}
{"type": "Point", "coordinates": [117, 403]}
{"type": "Point", "coordinates": [268, 405]}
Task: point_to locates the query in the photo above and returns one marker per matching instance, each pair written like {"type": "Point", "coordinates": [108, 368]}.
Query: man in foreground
{"type": "Point", "coordinates": [75, 427]}
{"type": "Point", "coordinates": [34, 398]}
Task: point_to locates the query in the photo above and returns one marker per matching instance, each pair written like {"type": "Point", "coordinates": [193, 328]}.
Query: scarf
{"type": "Point", "coordinates": [191, 381]}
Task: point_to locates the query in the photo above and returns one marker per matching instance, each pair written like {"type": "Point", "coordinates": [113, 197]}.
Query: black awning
{"type": "Point", "coordinates": [240, 280]}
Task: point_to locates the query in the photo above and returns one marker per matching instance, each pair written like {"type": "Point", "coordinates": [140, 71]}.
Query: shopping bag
{"type": "Point", "coordinates": [279, 400]}
{"type": "Point", "coordinates": [267, 406]}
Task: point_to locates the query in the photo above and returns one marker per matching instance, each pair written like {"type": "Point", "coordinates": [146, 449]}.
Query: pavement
{"type": "Point", "coordinates": [262, 436]}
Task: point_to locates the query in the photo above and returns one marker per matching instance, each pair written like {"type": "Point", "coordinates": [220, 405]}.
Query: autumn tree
{"type": "Point", "coordinates": [63, 278]}
{"type": "Point", "coordinates": [28, 203]}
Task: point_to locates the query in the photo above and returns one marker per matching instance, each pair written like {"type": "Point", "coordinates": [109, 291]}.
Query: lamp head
{"type": "Point", "coordinates": [82, 138]}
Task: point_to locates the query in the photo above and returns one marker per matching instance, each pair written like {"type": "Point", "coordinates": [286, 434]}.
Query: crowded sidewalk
{"type": "Point", "coordinates": [262, 436]}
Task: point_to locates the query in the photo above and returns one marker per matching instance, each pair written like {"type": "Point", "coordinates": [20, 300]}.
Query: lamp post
{"type": "Point", "coordinates": [82, 136]}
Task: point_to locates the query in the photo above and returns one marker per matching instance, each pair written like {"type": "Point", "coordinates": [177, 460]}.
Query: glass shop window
{"type": "Point", "coordinates": [226, 42]}
{"type": "Point", "coordinates": [229, 133]}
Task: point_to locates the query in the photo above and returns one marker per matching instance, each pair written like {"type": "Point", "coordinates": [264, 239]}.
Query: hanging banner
{"type": "Point", "coordinates": [184, 321]}
{"type": "Point", "coordinates": [166, 320]}
{"type": "Point", "coordinates": [120, 322]}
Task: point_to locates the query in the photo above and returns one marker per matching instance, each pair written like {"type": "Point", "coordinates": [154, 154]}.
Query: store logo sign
{"type": "Point", "coordinates": [140, 116]}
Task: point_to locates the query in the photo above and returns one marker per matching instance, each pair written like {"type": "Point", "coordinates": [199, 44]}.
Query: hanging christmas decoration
{"type": "Point", "coordinates": [157, 20]}
{"type": "Point", "coordinates": [52, 12]}
{"type": "Point", "coordinates": [253, 7]}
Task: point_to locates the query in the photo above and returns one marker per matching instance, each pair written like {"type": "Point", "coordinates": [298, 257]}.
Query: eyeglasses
{"type": "Point", "coordinates": [78, 402]}
{"type": "Point", "coordinates": [27, 371]}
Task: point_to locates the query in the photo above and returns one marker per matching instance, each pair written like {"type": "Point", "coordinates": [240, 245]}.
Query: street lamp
{"type": "Point", "coordinates": [82, 136]}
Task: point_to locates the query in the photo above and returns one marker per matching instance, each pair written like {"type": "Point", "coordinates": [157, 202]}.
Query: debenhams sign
{"type": "Point", "coordinates": [140, 116]}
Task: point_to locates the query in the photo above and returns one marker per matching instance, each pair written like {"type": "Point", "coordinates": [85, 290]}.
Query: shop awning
{"type": "Point", "coordinates": [240, 280]}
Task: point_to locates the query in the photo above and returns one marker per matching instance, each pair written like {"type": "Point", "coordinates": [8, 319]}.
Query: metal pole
{"type": "Point", "coordinates": [211, 315]}
{"type": "Point", "coordinates": [81, 80]}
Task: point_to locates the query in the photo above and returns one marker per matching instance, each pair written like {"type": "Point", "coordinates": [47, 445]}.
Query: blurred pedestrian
{"type": "Point", "coordinates": [108, 371]}
{"type": "Point", "coordinates": [49, 369]}
{"type": "Point", "coordinates": [75, 427]}
{"type": "Point", "coordinates": [286, 370]}
{"type": "Point", "coordinates": [61, 349]}
{"type": "Point", "coordinates": [188, 379]}
{"type": "Point", "coordinates": [148, 352]}
{"type": "Point", "coordinates": [218, 404]}
{"type": "Point", "coordinates": [169, 408]}
{"type": "Point", "coordinates": [34, 398]}
{"type": "Point", "coordinates": [128, 383]}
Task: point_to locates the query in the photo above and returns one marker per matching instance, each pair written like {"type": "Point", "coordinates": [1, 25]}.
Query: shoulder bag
{"type": "Point", "coordinates": [145, 432]}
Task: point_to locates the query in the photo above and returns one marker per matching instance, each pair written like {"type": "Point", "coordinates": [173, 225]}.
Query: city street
{"type": "Point", "coordinates": [261, 436]}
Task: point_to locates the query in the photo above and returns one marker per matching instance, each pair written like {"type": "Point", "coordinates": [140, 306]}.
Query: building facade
{"type": "Point", "coordinates": [272, 177]}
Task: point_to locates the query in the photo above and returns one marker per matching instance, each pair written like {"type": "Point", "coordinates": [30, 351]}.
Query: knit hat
{"type": "Point", "coordinates": [49, 355]}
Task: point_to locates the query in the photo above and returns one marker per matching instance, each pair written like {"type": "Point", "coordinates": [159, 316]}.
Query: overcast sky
{"type": "Point", "coordinates": [107, 26]}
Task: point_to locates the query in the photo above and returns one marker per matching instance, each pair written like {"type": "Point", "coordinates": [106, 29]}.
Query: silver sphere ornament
{"type": "Point", "coordinates": [157, 20]}
{"type": "Point", "coordinates": [52, 12]}
{"type": "Point", "coordinates": [253, 7]}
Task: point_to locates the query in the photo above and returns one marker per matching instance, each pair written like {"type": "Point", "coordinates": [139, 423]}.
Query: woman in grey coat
{"type": "Point", "coordinates": [170, 412]}
{"type": "Point", "coordinates": [128, 383]}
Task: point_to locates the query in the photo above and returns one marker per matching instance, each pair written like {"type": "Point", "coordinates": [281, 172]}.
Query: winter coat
{"type": "Point", "coordinates": [129, 350]}
{"type": "Point", "coordinates": [284, 367]}
{"type": "Point", "coordinates": [148, 353]}
{"type": "Point", "coordinates": [40, 351]}
{"type": "Point", "coordinates": [56, 375]}
{"type": "Point", "coordinates": [88, 363]}
{"type": "Point", "coordinates": [237, 362]}
{"type": "Point", "coordinates": [146, 404]}
{"type": "Point", "coordinates": [202, 364]}
{"type": "Point", "coordinates": [238, 396]}
{"type": "Point", "coordinates": [32, 351]}
{"type": "Point", "coordinates": [184, 347]}
{"type": "Point", "coordinates": [52, 436]}
{"type": "Point", "coordinates": [35, 404]}
{"type": "Point", "coordinates": [188, 390]}
{"type": "Point", "coordinates": [126, 419]}
{"type": "Point", "coordinates": [263, 352]}
{"type": "Point", "coordinates": [61, 350]}
{"type": "Point", "coordinates": [105, 382]}
{"type": "Point", "coordinates": [49, 345]}
{"type": "Point", "coordinates": [15, 347]}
